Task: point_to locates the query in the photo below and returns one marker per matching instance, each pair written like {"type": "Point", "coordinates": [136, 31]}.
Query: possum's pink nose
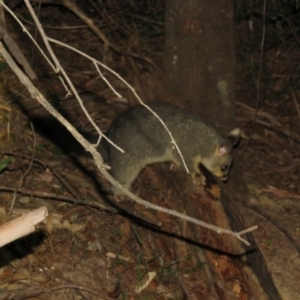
{"type": "Point", "coordinates": [224, 178]}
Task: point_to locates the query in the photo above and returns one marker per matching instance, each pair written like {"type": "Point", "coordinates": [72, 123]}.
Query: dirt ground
{"type": "Point", "coordinates": [89, 252]}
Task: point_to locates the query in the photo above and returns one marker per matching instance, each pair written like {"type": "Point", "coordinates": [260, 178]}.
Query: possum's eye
{"type": "Point", "coordinates": [224, 168]}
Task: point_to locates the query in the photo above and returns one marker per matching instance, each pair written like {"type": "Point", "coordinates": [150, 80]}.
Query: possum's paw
{"type": "Point", "coordinates": [198, 179]}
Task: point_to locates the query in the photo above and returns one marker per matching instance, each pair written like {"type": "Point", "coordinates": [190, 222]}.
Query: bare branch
{"type": "Point", "coordinates": [14, 48]}
{"type": "Point", "coordinates": [132, 90]}
{"type": "Point", "coordinates": [21, 226]}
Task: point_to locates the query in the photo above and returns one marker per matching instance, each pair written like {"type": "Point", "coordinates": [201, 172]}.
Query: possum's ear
{"type": "Point", "coordinates": [234, 136]}
{"type": "Point", "coordinates": [226, 146]}
{"type": "Point", "coordinates": [223, 148]}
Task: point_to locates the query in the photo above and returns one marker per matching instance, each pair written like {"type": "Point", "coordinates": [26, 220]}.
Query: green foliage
{"type": "Point", "coordinates": [269, 242]}
{"type": "Point", "coordinates": [4, 163]}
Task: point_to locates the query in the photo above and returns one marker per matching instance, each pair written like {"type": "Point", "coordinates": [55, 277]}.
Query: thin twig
{"type": "Point", "coordinates": [21, 181]}
{"type": "Point", "coordinates": [65, 27]}
{"type": "Point", "coordinates": [132, 90]}
{"type": "Point", "coordinates": [14, 48]}
{"type": "Point", "coordinates": [295, 101]}
{"type": "Point", "coordinates": [45, 195]}
{"type": "Point", "coordinates": [277, 225]}
{"type": "Point", "coordinates": [107, 44]}
{"type": "Point", "coordinates": [28, 33]}
{"type": "Point", "coordinates": [59, 68]}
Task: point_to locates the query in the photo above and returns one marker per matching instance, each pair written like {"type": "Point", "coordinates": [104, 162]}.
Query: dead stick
{"type": "Point", "coordinates": [21, 226]}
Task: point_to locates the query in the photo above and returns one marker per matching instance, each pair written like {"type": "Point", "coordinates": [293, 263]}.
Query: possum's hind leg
{"type": "Point", "coordinates": [124, 175]}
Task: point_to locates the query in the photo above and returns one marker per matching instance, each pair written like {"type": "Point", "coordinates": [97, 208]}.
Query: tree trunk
{"type": "Point", "coordinates": [200, 59]}
{"type": "Point", "coordinates": [200, 66]}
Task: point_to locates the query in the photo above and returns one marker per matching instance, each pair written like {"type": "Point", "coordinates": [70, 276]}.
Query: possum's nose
{"type": "Point", "coordinates": [224, 178]}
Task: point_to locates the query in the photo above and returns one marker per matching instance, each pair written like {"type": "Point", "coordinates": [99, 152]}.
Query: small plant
{"type": "Point", "coordinates": [4, 163]}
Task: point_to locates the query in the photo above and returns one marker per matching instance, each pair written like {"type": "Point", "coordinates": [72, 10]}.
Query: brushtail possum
{"type": "Point", "coordinates": [145, 141]}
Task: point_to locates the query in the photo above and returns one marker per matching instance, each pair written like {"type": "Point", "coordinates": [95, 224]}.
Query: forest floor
{"type": "Point", "coordinates": [84, 252]}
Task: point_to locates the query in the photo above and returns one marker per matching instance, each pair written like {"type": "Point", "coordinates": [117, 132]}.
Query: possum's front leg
{"type": "Point", "coordinates": [193, 165]}
{"type": "Point", "coordinates": [198, 179]}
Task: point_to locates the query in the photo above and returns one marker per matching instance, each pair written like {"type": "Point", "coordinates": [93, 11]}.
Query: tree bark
{"type": "Point", "coordinates": [200, 66]}
{"type": "Point", "coordinates": [200, 59]}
